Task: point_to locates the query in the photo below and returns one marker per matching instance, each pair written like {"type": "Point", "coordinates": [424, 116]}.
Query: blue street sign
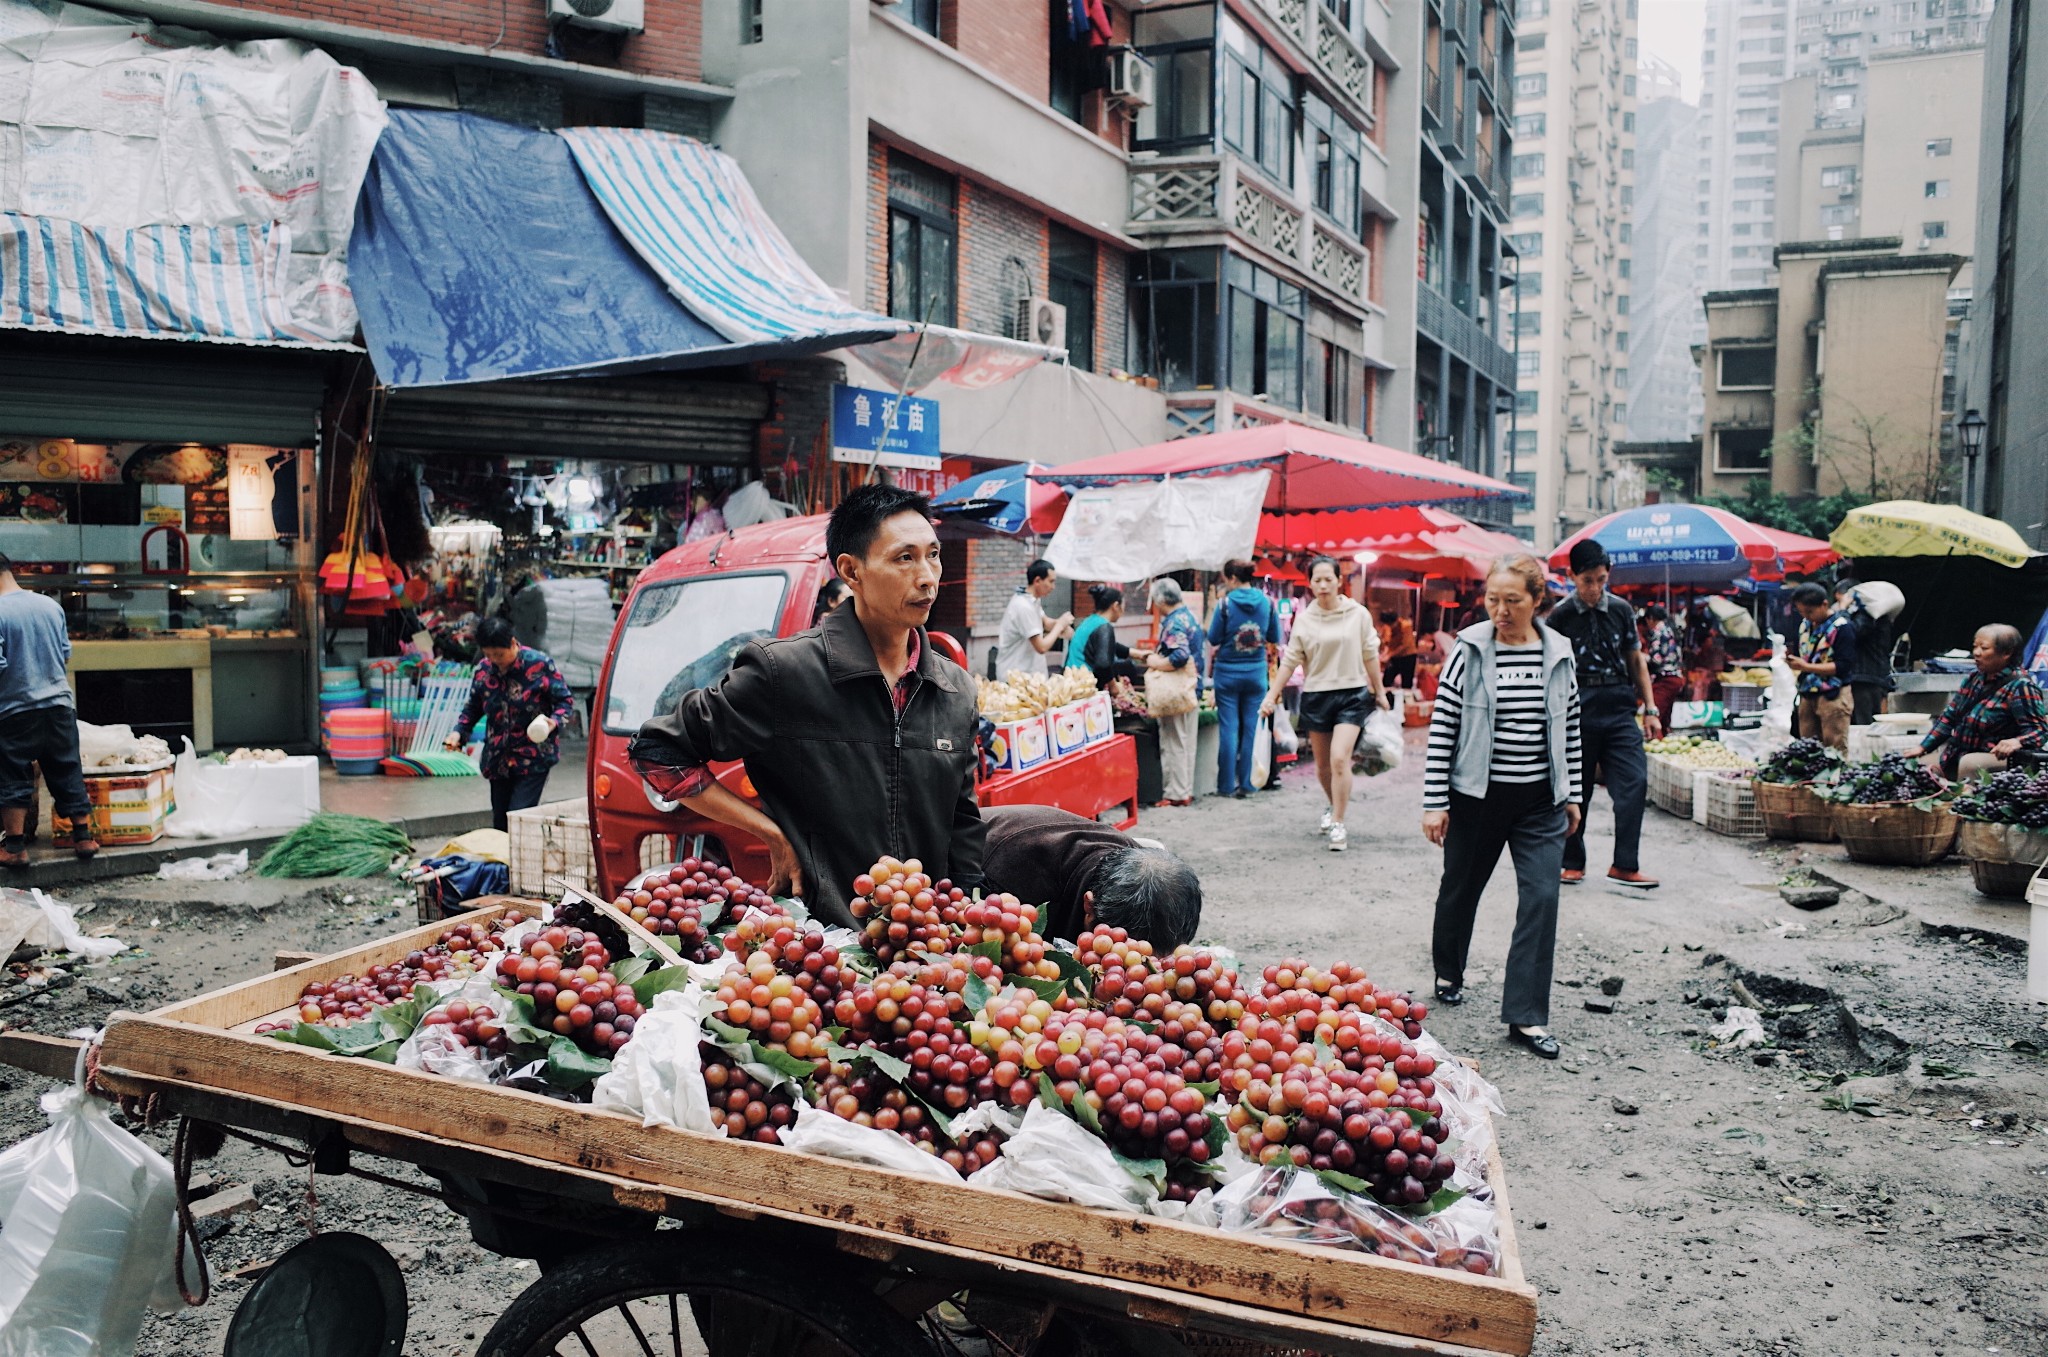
{"type": "Point", "coordinates": [880, 427]}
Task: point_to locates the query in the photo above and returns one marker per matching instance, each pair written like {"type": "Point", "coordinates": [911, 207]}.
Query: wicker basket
{"type": "Point", "coordinates": [1897, 834]}
{"type": "Point", "coordinates": [2003, 858]}
{"type": "Point", "coordinates": [1790, 810]}
{"type": "Point", "coordinates": [1731, 807]}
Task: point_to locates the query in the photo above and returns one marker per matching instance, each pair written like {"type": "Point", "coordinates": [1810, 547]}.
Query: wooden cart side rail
{"type": "Point", "coordinates": [1504, 1218]}
{"type": "Point", "coordinates": [1356, 1289]}
{"type": "Point", "coordinates": [1136, 1300]}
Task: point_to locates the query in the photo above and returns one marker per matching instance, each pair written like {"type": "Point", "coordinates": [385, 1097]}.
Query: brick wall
{"type": "Point", "coordinates": [878, 227]}
{"type": "Point", "coordinates": [799, 417]}
{"type": "Point", "coordinates": [1002, 258]}
{"type": "Point", "coordinates": [672, 46]}
{"type": "Point", "coordinates": [1008, 38]}
{"type": "Point", "coordinates": [1112, 308]}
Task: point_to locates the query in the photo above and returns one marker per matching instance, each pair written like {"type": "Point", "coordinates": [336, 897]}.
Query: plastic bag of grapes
{"type": "Point", "coordinates": [461, 1036]}
{"type": "Point", "coordinates": [1469, 1105]}
{"type": "Point", "coordinates": [1297, 1204]}
{"type": "Point", "coordinates": [1055, 1157]}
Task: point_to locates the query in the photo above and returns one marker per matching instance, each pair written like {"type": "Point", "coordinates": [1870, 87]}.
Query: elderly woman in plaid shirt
{"type": "Point", "coordinates": [1999, 711]}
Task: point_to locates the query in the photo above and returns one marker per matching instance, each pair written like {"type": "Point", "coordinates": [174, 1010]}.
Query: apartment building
{"type": "Point", "coordinates": [1747, 55]}
{"type": "Point", "coordinates": [2004, 369]}
{"type": "Point", "coordinates": [1837, 40]}
{"type": "Point", "coordinates": [1834, 379]}
{"type": "Point", "coordinates": [1574, 184]}
{"type": "Point", "coordinates": [1664, 401]}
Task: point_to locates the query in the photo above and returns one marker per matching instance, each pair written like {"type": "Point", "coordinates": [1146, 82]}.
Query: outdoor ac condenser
{"type": "Point", "coordinates": [1132, 80]}
{"type": "Point", "coordinates": [610, 16]}
{"type": "Point", "coordinates": [1040, 320]}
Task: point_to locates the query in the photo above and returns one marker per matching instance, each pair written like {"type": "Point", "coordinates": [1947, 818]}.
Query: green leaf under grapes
{"type": "Point", "coordinates": [1085, 1113]}
{"type": "Point", "coordinates": [893, 1067]}
{"type": "Point", "coordinates": [1324, 1055]}
{"type": "Point", "coordinates": [1074, 977]}
{"type": "Point", "coordinates": [633, 967]}
{"type": "Point", "coordinates": [795, 1067]}
{"type": "Point", "coordinates": [796, 908]}
{"type": "Point", "coordinates": [1151, 1171]}
{"type": "Point", "coordinates": [398, 1021]}
{"type": "Point", "coordinates": [1218, 1135]}
{"type": "Point", "coordinates": [1048, 1094]}
{"type": "Point", "coordinates": [1344, 1182]}
{"type": "Point", "coordinates": [1441, 1198]}
{"type": "Point", "coordinates": [522, 1025]}
{"type": "Point", "coordinates": [660, 982]}
{"type": "Point", "coordinates": [709, 913]}
{"type": "Point", "coordinates": [991, 948]}
{"type": "Point", "coordinates": [1047, 990]}
{"type": "Point", "coordinates": [976, 994]}
{"type": "Point", "coordinates": [724, 1033]}
{"type": "Point", "coordinates": [1421, 1116]}
{"type": "Point", "coordinates": [1208, 1088]}
{"type": "Point", "coordinates": [570, 1066]}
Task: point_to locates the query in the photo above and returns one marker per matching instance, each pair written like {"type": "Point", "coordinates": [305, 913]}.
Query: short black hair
{"type": "Point", "coordinates": [1150, 894]}
{"type": "Point", "coordinates": [1843, 584]}
{"type": "Point", "coordinates": [1037, 570]}
{"type": "Point", "coordinates": [6, 564]}
{"type": "Point", "coordinates": [1657, 612]}
{"type": "Point", "coordinates": [1330, 561]}
{"type": "Point", "coordinates": [1587, 555]}
{"type": "Point", "coordinates": [859, 518]}
{"type": "Point", "coordinates": [1105, 596]}
{"type": "Point", "coordinates": [829, 595]}
{"type": "Point", "coordinates": [494, 633]}
{"type": "Point", "coordinates": [1238, 570]}
{"type": "Point", "coordinates": [1809, 596]}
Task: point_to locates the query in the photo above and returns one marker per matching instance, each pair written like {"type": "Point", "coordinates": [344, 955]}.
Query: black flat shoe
{"type": "Point", "coordinates": [1545, 1045]}
{"type": "Point", "coordinates": [1450, 994]}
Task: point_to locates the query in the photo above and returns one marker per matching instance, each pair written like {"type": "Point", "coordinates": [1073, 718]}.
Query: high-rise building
{"type": "Point", "coordinates": [1574, 173]}
{"type": "Point", "coordinates": [1747, 55]}
{"type": "Point", "coordinates": [1664, 400]}
{"type": "Point", "coordinates": [1836, 41]}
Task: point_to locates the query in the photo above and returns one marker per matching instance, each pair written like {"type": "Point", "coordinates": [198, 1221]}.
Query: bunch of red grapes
{"type": "Point", "coordinates": [748, 1109]}
{"type": "Point", "coordinates": [673, 904]}
{"type": "Point", "coordinates": [1134, 1088]}
{"type": "Point", "coordinates": [1011, 925]}
{"type": "Point", "coordinates": [867, 1099]}
{"type": "Point", "coordinates": [1315, 1117]}
{"type": "Point", "coordinates": [1343, 988]}
{"type": "Point", "coordinates": [899, 907]}
{"type": "Point", "coordinates": [567, 973]}
{"type": "Point", "coordinates": [476, 1027]}
{"type": "Point", "coordinates": [457, 954]}
{"type": "Point", "coordinates": [760, 997]}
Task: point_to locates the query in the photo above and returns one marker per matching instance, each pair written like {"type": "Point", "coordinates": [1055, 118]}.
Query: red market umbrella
{"type": "Point", "coordinates": [1267, 569]}
{"type": "Point", "coordinates": [1806, 554]}
{"type": "Point", "coordinates": [1315, 472]}
{"type": "Point", "coordinates": [1463, 553]}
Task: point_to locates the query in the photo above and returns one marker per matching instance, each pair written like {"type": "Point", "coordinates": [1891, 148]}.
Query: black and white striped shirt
{"type": "Point", "coordinates": [1521, 738]}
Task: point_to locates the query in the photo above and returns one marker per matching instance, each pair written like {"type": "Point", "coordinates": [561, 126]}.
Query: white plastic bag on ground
{"type": "Point", "coordinates": [819, 1132]}
{"type": "Point", "coordinates": [32, 918]}
{"type": "Point", "coordinates": [219, 867]}
{"type": "Point", "coordinates": [88, 1235]}
{"type": "Point", "coordinates": [658, 1076]}
{"type": "Point", "coordinates": [1743, 1028]}
{"type": "Point", "coordinates": [1053, 1156]}
{"type": "Point", "coordinates": [1379, 744]}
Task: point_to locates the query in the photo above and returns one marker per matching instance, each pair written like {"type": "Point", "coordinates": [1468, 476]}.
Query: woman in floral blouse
{"type": "Point", "coordinates": [1667, 666]}
{"type": "Point", "coordinates": [523, 701]}
{"type": "Point", "coordinates": [1180, 646]}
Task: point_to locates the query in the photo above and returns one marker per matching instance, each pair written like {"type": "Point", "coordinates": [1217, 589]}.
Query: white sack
{"type": "Point", "coordinates": [1135, 531]}
{"type": "Point", "coordinates": [819, 1132]}
{"type": "Point", "coordinates": [658, 1076]}
{"type": "Point", "coordinates": [1055, 1157]}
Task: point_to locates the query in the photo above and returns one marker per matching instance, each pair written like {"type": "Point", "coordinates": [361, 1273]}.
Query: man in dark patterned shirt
{"type": "Point", "coordinates": [1999, 711]}
{"type": "Point", "coordinates": [523, 701]}
{"type": "Point", "coordinates": [1823, 661]}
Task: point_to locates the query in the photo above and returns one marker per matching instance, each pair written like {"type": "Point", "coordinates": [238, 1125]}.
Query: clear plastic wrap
{"type": "Point", "coordinates": [819, 1132]}
{"type": "Point", "coordinates": [434, 1046]}
{"type": "Point", "coordinates": [1469, 1105]}
{"type": "Point", "coordinates": [1296, 1204]}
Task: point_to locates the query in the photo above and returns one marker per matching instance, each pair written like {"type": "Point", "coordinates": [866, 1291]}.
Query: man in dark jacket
{"type": "Point", "coordinates": [1082, 873]}
{"type": "Point", "coordinates": [857, 735]}
{"type": "Point", "coordinates": [1870, 672]}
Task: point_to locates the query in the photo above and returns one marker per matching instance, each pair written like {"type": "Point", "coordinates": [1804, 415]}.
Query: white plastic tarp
{"type": "Point", "coordinates": [118, 124]}
{"type": "Point", "coordinates": [1134, 531]}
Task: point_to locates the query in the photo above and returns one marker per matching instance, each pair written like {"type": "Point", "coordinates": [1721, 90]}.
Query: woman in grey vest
{"type": "Point", "coordinates": [1502, 771]}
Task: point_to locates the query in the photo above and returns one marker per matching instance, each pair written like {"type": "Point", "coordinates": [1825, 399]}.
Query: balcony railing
{"type": "Point", "coordinates": [1463, 336]}
{"type": "Point", "coordinates": [1195, 194]}
{"type": "Point", "coordinates": [1433, 94]}
{"type": "Point", "coordinates": [1341, 266]}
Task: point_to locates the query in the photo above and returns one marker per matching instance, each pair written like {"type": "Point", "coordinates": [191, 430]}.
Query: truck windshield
{"type": "Point", "coordinates": [682, 636]}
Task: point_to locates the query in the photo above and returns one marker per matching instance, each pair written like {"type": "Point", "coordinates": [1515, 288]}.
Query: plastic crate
{"type": "Point", "coordinates": [1671, 785]}
{"type": "Point", "coordinates": [1731, 807]}
{"type": "Point", "coordinates": [550, 843]}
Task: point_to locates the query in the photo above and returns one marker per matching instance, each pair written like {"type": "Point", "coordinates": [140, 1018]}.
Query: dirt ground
{"type": "Point", "coordinates": [1872, 1181]}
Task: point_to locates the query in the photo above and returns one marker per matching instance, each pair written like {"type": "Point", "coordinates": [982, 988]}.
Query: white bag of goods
{"type": "Point", "coordinates": [819, 1132]}
{"type": "Point", "coordinates": [659, 1075]}
{"type": "Point", "coordinates": [1054, 1156]}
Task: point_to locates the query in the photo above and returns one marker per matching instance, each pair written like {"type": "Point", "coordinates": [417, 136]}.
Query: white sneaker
{"type": "Point", "coordinates": [1327, 821]}
{"type": "Point", "coordinates": [1337, 837]}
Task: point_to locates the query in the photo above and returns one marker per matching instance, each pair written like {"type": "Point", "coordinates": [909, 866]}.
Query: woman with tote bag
{"type": "Point", "coordinates": [1173, 691]}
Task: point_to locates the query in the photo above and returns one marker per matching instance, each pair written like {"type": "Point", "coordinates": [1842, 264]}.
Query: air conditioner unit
{"type": "Point", "coordinates": [609, 16]}
{"type": "Point", "coordinates": [1132, 79]}
{"type": "Point", "coordinates": [1040, 320]}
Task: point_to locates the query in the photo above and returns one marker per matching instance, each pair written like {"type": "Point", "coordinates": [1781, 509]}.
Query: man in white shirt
{"type": "Point", "coordinates": [1027, 633]}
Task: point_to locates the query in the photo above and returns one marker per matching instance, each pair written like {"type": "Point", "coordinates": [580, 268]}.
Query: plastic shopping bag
{"type": "Point", "coordinates": [1262, 755]}
{"type": "Point", "coordinates": [1285, 741]}
{"type": "Point", "coordinates": [88, 1235]}
{"type": "Point", "coordinates": [1379, 744]}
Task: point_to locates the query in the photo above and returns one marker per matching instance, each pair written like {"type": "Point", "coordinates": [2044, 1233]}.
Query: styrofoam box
{"type": "Point", "coordinates": [1067, 728]}
{"type": "Point", "coordinates": [1021, 744]}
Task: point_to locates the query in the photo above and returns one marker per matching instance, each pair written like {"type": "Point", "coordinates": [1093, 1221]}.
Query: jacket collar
{"type": "Point", "coordinates": [849, 655]}
{"type": "Point", "coordinates": [1480, 637]}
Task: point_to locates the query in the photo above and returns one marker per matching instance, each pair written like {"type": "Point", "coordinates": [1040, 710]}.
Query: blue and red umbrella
{"type": "Point", "coordinates": [1692, 544]}
{"type": "Point", "coordinates": [1005, 499]}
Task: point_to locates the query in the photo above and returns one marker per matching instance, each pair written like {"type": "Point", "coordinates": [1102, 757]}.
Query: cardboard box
{"type": "Point", "coordinates": [1067, 727]}
{"type": "Point", "coordinates": [1021, 744]}
{"type": "Point", "coordinates": [1099, 717]}
{"type": "Point", "coordinates": [127, 807]}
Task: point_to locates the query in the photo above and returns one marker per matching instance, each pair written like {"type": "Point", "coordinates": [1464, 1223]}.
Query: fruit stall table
{"type": "Point", "coordinates": [1095, 778]}
{"type": "Point", "coordinates": [777, 1236]}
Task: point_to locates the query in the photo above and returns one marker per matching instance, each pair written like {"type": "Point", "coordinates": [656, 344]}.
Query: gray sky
{"type": "Point", "coordinates": [1672, 29]}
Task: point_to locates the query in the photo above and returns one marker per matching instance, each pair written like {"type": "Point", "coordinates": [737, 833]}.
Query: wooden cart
{"type": "Point", "coordinates": [855, 1256]}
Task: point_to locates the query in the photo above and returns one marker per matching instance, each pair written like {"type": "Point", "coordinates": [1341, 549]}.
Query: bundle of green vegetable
{"type": "Point", "coordinates": [2008, 798]}
{"type": "Point", "coordinates": [1895, 777]}
{"type": "Point", "coordinates": [335, 845]}
{"type": "Point", "coordinates": [1800, 761]}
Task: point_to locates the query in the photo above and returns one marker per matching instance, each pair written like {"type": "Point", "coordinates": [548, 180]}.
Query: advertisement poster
{"type": "Point", "coordinates": [63, 460]}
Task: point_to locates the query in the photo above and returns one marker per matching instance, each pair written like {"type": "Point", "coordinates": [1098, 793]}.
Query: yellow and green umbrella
{"type": "Point", "coordinates": [1907, 527]}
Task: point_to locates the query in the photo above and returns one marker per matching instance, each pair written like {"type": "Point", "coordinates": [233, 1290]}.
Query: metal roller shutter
{"type": "Point", "coordinates": [108, 390]}
{"type": "Point", "coordinates": [641, 419]}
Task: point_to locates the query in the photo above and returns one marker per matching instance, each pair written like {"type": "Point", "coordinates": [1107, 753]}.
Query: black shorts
{"type": "Point", "coordinates": [1323, 712]}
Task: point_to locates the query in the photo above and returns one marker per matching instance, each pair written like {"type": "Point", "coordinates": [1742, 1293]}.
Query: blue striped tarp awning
{"type": "Point", "coordinates": [196, 282]}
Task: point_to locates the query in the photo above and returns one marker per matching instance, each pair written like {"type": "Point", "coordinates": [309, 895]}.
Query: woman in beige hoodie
{"type": "Point", "coordinates": [1335, 641]}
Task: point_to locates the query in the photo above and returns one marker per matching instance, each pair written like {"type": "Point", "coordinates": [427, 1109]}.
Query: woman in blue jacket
{"type": "Point", "coordinates": [1242, 629]}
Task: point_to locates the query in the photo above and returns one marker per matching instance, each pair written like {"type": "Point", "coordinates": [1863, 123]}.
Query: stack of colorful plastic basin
{"type": "Point", "coordinates": [357, 740]}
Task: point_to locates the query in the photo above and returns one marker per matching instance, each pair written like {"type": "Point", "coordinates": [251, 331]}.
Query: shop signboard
{"type": "Point", "coordinates": [881, 428]}
{"type": "Point", "coordinates": [65, 461]}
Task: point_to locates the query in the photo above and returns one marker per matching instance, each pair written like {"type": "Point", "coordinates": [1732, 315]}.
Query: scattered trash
{"type": "Point", "coordinates": [1744, 1028]}
{"type": "Point", "coordinates": [1623, 1108]}
{"type": "Point", "coordinates": [219, 867]}
{"type": "Point", "coordinates": [33, 919]}
{"type": "Point", "coordinates": [1602, 1004]}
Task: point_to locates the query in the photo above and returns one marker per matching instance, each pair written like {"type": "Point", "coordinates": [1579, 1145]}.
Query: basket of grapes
{"type": "Point", "coordinates": [2003, 830]}
{"type": "Point", "coordinates": [1891, 811]}
{"type": "Point", "coordinates": [1785, 796]}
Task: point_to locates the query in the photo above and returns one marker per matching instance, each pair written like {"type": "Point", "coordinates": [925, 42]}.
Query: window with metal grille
{"type": "Point", "coordinates": [923, 241]}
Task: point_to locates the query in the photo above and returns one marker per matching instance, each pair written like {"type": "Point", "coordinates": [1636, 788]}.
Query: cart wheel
{"type": "Point", "coordinates": [686, 1296]}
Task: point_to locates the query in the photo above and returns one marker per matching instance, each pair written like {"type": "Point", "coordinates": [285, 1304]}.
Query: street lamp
{"type": "Point", "coordinates": [1970, 433]}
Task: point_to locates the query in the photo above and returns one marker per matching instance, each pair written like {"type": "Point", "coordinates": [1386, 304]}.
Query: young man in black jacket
{"type": "Point", "coordinates": [858, 736]}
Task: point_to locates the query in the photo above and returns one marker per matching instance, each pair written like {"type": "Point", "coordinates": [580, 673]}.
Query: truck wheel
{"type": "Point", "coordinates": [699, 1297]}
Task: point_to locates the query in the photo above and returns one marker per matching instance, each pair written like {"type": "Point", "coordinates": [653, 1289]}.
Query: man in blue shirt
{"type": "Point", "coordinates": [38, 723]}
